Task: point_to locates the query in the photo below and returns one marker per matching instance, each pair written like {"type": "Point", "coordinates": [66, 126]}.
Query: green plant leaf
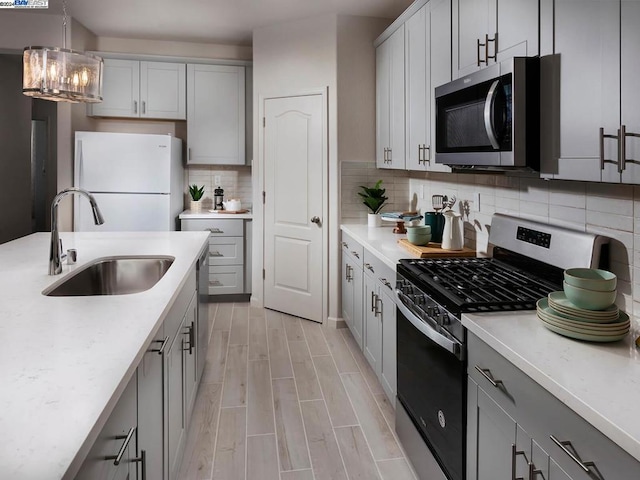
{"type": "Point", "coordinates": [196, 192]}
{"type": "Point", "coordinates": [374, 197]}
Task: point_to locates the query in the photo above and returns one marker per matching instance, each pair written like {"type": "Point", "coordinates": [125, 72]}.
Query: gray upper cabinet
{"type": "Point", "coordinates": [427, 65]}
{"type": "Point", "coordinates": [590, 121]}
{"type": "Point", "coordinates": [134, 89]}
{"type": "Point", "coordinates": [630, 72]}
{"type": "Point", "coordinates": [390, 102]}
{"type": "Point", "coordinates": [216, 114]}
{"type": "Point", "coordinates": [490, 31]}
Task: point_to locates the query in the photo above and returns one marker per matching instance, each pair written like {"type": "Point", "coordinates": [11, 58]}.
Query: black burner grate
{"type": "Point", "coordinates": [481, 284]}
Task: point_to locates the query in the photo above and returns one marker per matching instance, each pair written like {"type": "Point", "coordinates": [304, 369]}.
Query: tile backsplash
{"type": "Point", "coordinates": [235, 181]}
{"type": "Point", "coordinates": [606, 209]}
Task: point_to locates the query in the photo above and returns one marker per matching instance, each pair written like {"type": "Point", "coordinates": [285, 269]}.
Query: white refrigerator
{"type": "Point", "coordinates": [137, 180]}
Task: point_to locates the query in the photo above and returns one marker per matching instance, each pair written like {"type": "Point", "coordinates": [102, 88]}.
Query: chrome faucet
{"type": "Point", "coordinates": [55, 249]}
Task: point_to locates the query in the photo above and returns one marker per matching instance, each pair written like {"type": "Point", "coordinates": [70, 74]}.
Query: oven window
{"type": "Point", "coordinates": [465, 126]}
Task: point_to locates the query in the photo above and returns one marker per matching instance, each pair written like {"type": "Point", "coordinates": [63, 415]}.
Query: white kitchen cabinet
{"type": "Point", "coordinates": [352, 287]}
{"type": "Point", "coordinates": [175, 403]}
{"type": "Point", "coordinates": [390, 102]}
{"type": "Point", "coordinates": [227, 250]}
{"type": "Point", "coordinates": [427, 65]}
{"type": "Point", "coordinates": [135, 89]}
{"type": "Point", "coordinates": [216, 114]}
{"type": "Point", "coordinates": [630, 94]}
{"type": "Point", "coordinates": [189, 350]}
{"type": "Point", "coordinates": [513, 422]}
{"type": "Point", "coordinates": [579, 101]}
{"type": "Point", "coordinates": [150, 405]}
{"type": "Point", "coordinates": [379, 344]}
{"type": "Point", "coordinates": [113, 455]}
{"type": "Point", "coordinates": [490, 31]}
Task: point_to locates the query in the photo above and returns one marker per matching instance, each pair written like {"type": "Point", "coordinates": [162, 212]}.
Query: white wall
{"type": "Point", "coordinates": [288, 58]}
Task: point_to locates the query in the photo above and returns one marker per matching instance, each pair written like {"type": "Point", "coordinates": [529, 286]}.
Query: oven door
{"type": "Point", "coordinates": [432, 387]}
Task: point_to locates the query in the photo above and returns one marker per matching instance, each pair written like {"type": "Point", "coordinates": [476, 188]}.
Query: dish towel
{"type": "Point", "coordinates": [401, 216]}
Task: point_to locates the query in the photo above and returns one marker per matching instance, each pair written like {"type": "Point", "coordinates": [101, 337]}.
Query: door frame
{"type": "Point", "coordinates": [259, 186]}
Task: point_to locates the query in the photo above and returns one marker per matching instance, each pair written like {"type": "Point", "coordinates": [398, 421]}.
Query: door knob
{"type": "Point", "coordinates": [315, 219]}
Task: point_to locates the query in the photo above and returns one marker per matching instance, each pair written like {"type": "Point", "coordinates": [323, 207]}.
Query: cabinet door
{"type": "Point", "coordinates": [347, 292]}
{"type": "Point", "coordinates": [630, 94]}
{"type": "Point", "coordinates": [99, 464]}
{"type": "Point", "coordinates": [418, 88]}
{"type": "Point", "coordinates": [587, 33]}
{"type": "Point", "coordinates": [215, 114]}
{"type": "Point", "coordinates": [396, 95]}
{"type": "Point", "coordinates": [190, 334]}
{"type": "Point", "coordinates": [388, 364]}
{"type": "Point", "coordinates": [372, 343]}
{"type": "Point", "coordinates": [175, 403]}
{"type": "Point", "coordinates": [120, 89]}
{"type": "Point", "coordinates": [383, 103]}
{"type": "Point", "coordinates": [491, 435]}
{"type": "Point", "coordinates": [472, 21]}
{"type": "Point", "coordinates": [440, 45]}
{"type": "Point", "coordinates": [358, 304]}
{"type": "Point", "coordinates": [518, 22]}
{"type": "Point", "coordinates": [163, 90]}
{"type": "Point", "coordinates": [150, 405]}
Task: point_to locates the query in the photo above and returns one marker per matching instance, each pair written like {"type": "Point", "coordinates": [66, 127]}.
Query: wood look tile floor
{"type": "Point", "coordinates": [283, 398]}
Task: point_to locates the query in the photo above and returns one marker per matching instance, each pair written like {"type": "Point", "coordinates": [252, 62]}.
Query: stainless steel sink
{"type": "Point", "coordinates": [112, 276]}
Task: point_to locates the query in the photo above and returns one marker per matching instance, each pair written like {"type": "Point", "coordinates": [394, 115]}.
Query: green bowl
{"type": "Point", "coordinates": [589, 299]}
{"type": "Point", "coordinates": [591, 279]}
{"type": "Point", "coordinates": [419, 234]}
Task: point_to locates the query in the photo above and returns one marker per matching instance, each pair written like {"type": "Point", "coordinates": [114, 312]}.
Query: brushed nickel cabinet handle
{"type": "Point", "coordinates": [144, 107]}
{"type": "Point", "coordinates": [135, 106]}
{"type": "Point", "coordinates": [602, 159]}
{"type": "Point", "coordinates": [563, 446]}
{"type": "Point", "coordinates": [163, 345]}
{"type": "Point", "coordinates": [368, 267]}
{"type": "Point", "coordinates": [345, 245]}
{"type": "Point", "coordinates": [622, 133]}
{"type": "Point", "coordinates": [215, 283]}
{"type": "Point", "coordinates": [215, 230]}
{"type": "Point", "coordinates": [378, 312]}
{"type": "Point", "coordinates": [127, 438]}
{"type": "Point", "coordinates": [486, 373]}
{"type": "Point", "coordinates": [215, 254]}
{"type": "Point", "coordinates": [533, 471]}
{"type": "Point", "coordinates": [355, 254]}
{"type": "Point", "coordinates": [373, 302]}
{"type": "Point", "coordinates": [514, 454]}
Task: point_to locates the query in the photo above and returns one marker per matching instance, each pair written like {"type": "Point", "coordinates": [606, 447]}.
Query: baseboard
{"type": "Point", "coordinates": [333, 322]}
{"type": "Point", "coordinates": [230, 297]}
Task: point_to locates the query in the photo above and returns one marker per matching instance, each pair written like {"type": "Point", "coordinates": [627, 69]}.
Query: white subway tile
{"type": "Point", "coordinates": [610, 220]}
{"type": "Point", "coordinates": [610, 205]}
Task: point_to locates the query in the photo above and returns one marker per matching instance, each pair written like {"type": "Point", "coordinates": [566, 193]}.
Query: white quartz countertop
{"type": "Point", "coordinates": [599, 381]}
{"type": "Point", "coordinates": [213, 214]}
{"type": "Point", "coordinates": [381, 241]}
{"type": "Point", "coordinates": [65, 361]}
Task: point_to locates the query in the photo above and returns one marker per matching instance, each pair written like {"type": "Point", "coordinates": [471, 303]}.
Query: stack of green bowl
{"type": "Point", "coordinates": [419, 234]}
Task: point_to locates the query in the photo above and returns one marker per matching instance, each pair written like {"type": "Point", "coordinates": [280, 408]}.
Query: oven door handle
{"type": "Point", "coordinates": [488, 107]}
{"type": "Point", "coordinates": [451, 346]}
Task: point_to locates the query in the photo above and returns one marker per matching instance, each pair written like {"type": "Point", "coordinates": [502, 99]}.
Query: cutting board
{"type": "Point", "coordinates": [433, 250]}
{"type": "Point", "coordinates": [229, 212]}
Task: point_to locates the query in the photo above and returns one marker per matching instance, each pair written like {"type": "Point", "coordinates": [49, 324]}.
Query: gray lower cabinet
{"type": "Point", "coordinates": [113, 454]}
{"type": "Point", "coordinates": [369, 310]}
{"type": "Point", "coordinates": [229, 273]}
{"type": "Point", "coordinates": [516, 429]}
{"type": "Point", "coordinates": [154, 410]}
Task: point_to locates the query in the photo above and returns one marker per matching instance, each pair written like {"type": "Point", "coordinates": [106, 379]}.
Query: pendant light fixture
{"type": "Point", "coordinates": [60, 74]}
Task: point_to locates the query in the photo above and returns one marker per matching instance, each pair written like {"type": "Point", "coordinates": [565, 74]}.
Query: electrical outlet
{"type": "Point", "coordinates": [476, 202]}
{"type": "Point", "coordinates": [216, 180]}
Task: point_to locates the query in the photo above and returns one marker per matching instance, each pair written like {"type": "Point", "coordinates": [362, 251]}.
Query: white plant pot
{"type": "Point", "coordinates": [374, 220]}
{"type": "Point", "coordinates": [195, 206]}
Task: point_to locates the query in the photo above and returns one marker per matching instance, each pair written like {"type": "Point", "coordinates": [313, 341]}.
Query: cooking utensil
{"type": "Point", "coordinates": [450, 202]}
{"type": "Point", "coordinates": [438, 202]}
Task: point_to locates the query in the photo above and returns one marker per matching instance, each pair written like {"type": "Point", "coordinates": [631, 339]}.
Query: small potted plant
{"type": "Point", "coordinates": [374, 199]}
{"type": "Point", "coordinates": [196, 194]}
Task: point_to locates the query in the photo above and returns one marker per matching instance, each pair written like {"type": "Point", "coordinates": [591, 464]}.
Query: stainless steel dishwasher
{"type": "Point", "coordinates": [203, 310]}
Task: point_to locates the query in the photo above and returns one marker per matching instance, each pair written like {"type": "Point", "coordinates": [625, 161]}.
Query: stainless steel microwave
{"type": "Point", "coordinates": [491, 118]}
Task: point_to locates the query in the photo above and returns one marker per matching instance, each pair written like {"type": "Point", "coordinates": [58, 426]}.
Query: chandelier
{"type": "Point", "coordinates": [60, 74]}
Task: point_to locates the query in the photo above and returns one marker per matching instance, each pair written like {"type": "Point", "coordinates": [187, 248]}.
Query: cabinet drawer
{"type": "Point", "coordinates": [226, 279]}
{"type": "Point", "coordinates": [226, 250]}
{"type": "Point", "coordinates": [217, 228]}
{"type": "Point", "coordinates": [379, 270]}
{"type": "Point", "coordinates": [353, 249]}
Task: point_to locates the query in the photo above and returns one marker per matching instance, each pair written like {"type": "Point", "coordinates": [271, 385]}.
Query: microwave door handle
{"type": "Point", "coordinates": [450, 346]}
{"type": "Point", "coordinates": [488, 107]}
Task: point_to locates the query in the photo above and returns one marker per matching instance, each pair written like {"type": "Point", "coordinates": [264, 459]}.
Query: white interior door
{"type": "Point", "coordinates": [294, 155]}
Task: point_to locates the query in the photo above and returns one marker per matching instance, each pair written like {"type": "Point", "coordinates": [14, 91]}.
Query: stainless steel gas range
{"type": "Point", "coordinates": [432, 294]}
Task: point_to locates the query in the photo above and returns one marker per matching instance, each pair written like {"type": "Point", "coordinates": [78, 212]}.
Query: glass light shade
{"type": "Point", "coordinates": [63, 75]}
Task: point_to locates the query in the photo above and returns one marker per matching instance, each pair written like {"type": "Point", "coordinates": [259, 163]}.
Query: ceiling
{"type": "Point", "coordinates": [208, 21]}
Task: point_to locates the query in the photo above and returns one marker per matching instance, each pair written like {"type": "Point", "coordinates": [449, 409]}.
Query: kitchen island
{"type": "Point", "coordinates": [66, 360]}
